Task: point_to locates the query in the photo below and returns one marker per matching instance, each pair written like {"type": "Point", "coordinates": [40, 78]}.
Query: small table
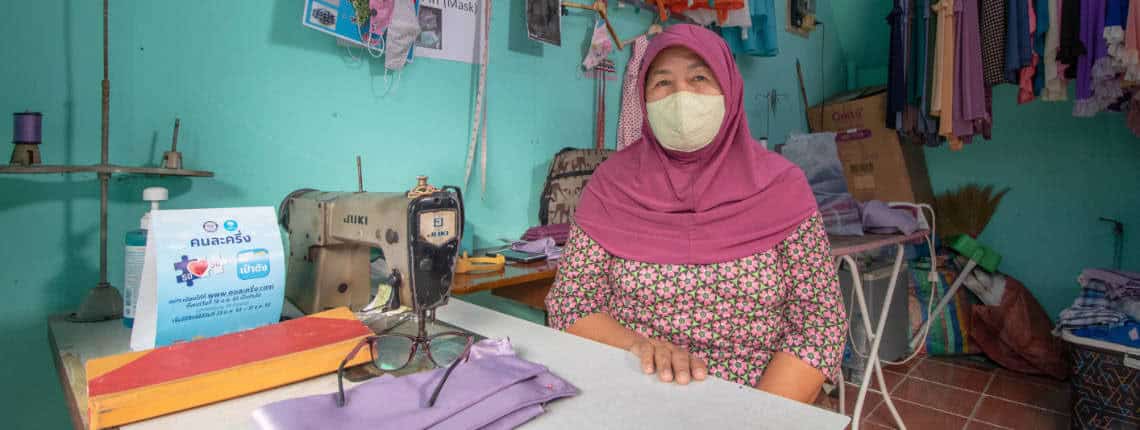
{"type": "Point", "coordinates": [614, 391]}
{"type": "Point", "coordinates": [526, 283]}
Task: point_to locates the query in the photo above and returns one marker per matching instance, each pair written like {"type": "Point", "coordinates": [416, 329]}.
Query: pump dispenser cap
{"type": "Point", "coordinates": [152, 195]}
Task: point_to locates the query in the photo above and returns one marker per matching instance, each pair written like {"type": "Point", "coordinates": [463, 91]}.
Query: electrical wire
{"type": "Point", "coordinates": [932, 278]}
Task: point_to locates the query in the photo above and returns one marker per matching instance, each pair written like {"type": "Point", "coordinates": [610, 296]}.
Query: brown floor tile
{"type": "Point", "coordinates": [893, 379]}
{"type": "Point", "coordinates": [971, 361]}
{"type": "Point", "coordinates": [949, 399]}
{"type": "Point", "coordinates": [1015, 387]}
{"type": "Point", "coordinates": [873, 399]}
{"type": "Point", "coordinates": [867, 425]}
{"type": "Point", "coordinates": [978, 425]}
{"type": "Point", "coordinates": [954, 376]}
{"type": "Point", "coordinates": [904, 368]}
{"type": "Point", "coordinates": [1013, 415]}
{"type": "Point", "coordinates": [1036, 379]}
{"type": "Point", "coordinates": [916, 416]}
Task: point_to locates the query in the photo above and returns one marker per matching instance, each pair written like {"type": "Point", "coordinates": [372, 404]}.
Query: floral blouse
{"type": "Point", "coordinates": [734, 315]}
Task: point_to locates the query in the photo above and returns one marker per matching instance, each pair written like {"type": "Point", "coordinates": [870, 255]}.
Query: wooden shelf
{"type": "Point", "coordinates": [102, 168]}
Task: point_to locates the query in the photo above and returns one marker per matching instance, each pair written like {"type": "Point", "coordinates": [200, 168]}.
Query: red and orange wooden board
{"type": "Point", "coordinates": [135, 386]}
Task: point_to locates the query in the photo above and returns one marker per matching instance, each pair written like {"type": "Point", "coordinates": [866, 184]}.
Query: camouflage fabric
{"type": "Point", "coordinates": [569, 172]}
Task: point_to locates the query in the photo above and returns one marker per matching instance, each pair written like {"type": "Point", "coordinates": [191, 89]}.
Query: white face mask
{"type": "Point", "coordinates": [686, 121]}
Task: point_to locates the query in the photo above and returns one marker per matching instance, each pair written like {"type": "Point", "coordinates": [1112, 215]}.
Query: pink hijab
{"type": "Point", "coordinates": [728, 200]}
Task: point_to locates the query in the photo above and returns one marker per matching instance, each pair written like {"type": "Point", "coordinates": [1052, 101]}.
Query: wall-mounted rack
{"type": "Point", "coordinates": [103, 302]}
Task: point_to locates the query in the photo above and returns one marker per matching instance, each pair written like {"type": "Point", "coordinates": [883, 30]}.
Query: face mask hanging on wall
{"type": "Point", "coordinates": [403, 31]}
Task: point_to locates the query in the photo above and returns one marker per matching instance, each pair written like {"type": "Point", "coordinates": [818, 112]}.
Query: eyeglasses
{"type": "Point", "coordinates": [393, 351]}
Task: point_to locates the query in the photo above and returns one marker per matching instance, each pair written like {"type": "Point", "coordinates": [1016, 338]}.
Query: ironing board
{"type": "Point", "coordinates": [842, 249]}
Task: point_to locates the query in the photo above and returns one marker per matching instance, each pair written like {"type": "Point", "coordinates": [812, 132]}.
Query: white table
{"type": "Point", "coordinates": [614, 391]}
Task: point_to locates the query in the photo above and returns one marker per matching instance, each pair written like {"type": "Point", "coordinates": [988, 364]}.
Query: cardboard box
{"type": "Point", "coordinates": [876, 164]}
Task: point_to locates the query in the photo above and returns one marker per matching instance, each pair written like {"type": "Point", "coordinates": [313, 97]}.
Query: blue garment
{"type": "Point", "coordinates": [1042, 10]}
{"type": "Point", "coordinates": [1127, 334]}
{"type": "Point", "coordinates": [1116, 13]}
{"type": "Point", "coordinates": [1018, 44]}
{"type": "Point", "coordinates": [761, 41]}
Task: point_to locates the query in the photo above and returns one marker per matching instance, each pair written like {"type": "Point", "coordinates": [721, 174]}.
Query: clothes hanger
{"type": "Point", "coordinates": [654, 28]}
{"type": "Point", "coordinates": [598, 6]}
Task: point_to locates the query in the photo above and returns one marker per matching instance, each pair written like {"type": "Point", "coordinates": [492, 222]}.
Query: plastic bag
{"type": "Point", "coordinates": [1018, 334]}
{"type": "Point", "coordinates": [816, 154]}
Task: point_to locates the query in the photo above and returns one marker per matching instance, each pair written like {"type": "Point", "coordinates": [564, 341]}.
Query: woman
{"type": "Point", "coordinates": [695, 248]}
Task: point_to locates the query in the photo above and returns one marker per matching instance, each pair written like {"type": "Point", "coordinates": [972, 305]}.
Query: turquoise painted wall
{"type": "Point", "coordinates": [1064, 172]}
{"type": "Point", "coordinates": [271, 107]}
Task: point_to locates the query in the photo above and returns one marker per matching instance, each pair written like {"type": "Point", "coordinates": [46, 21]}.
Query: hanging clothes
{"type": "Point", "coordinates": [1018, 48]}
{"type": "Point", "coordinates": [1116, 14]}
{"type": "Point", "coordinates": [1106, 84]}
{"type": "Point", "coordinates": [1131, 54]}
{"type": "Point", "coordinates": [1092, 36]}
{"type": "Point", "coordinates": [993, 22]}
{"type": "Point", "coordinates": [1025, 75]}
{"type": "Point", "coordinates": [1071, 47]}
{"type": "Point", "coordinates": [946, 54]}
{"type": "Point", "coordinates": [969, 81]}
{"type": "Point", "coordinates": [1042, 9]}
{"type": "Point", "coordinates": [758, 39]}
{"type": "Point", "coordinates": [631, 116]}
{"type": "Point", "coordinates": [1056, 87]}
{"type": "Point", "coordinates": [936, 78]}
{"type": "Point", "coordinates": [926, 128]}
{"type": "Point", "coordinates": [896, 68]}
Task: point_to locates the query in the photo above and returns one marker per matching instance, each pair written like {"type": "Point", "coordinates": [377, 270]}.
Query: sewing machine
{"type": "Point", "coordinates": [331, 235]}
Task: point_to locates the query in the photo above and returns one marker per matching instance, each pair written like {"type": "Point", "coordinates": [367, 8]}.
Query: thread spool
{"type": "Point", "coordinates": [27, 134]}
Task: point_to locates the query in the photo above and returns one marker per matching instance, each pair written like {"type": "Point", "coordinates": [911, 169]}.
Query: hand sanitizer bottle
{"type": "Point", "coordinates": [136, 255]}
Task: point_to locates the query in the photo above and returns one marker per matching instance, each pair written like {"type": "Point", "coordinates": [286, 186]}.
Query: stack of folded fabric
{"type": "Point", "coordinates": [1107, 309]}
{"type": "Point", "coordinates": [493, 389]}
{"type": "Point", "coordinates": [545, 246]}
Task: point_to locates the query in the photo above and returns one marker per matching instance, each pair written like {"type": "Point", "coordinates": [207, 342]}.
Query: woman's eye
{"type": "Point", "coordinates": [661, 84]}
{"type": "Point", "coordinates": [700, 78]}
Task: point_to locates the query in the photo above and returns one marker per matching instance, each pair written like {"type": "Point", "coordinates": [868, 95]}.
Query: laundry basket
{"type": "Point", "coordinates": [1106, 384]}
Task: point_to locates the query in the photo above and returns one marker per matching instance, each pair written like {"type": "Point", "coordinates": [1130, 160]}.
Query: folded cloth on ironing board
{"type": "Point", "coordinates": [498, 391]}
{"type": "Point", "coordinates": [880, 218]}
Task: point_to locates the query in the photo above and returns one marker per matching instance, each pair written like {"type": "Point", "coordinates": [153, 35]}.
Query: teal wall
{"type": "Point", "coordinates": [270, 107]}
{"type": "Point", "coordinates": [1064, 172]}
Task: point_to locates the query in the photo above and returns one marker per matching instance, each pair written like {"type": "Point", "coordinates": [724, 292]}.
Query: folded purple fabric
{"type": "Point", "coordinates": [545, 246]}
{"type": "Point", "coordinates": [490, 390]}
{"type": "Point", "coordinates": [559, 232]}
{"type": "Point", "coordinates": [882, 219]}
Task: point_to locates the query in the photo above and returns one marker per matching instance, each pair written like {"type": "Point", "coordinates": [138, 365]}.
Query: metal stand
{"type": "Point", "coordinates": [873, 362]}
{"type": "Point", "coordinates": [842, 249]}
{"type": "Point", "coordinates": [103, 302]}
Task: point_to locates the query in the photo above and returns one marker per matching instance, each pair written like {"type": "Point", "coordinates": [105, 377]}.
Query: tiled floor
{"type": "Point", "coordinates": [938, 393]}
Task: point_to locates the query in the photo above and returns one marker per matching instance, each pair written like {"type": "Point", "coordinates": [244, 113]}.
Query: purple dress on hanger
{"type": "Point", "coordinates": [1092, 37]}
{"type": "Point", "coordinates": [969, 79]}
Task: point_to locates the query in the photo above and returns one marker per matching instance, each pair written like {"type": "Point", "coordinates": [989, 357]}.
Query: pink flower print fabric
{"type": "Point", "coordinates": [734, 314]}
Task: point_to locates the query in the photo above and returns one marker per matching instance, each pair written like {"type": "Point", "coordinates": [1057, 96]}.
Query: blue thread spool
{"type": "Point", "coordinates": [27, 134]}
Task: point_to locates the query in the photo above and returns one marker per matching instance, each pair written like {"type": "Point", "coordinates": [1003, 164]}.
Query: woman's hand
{"type": "Point", "coordinates": [670, 362]}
